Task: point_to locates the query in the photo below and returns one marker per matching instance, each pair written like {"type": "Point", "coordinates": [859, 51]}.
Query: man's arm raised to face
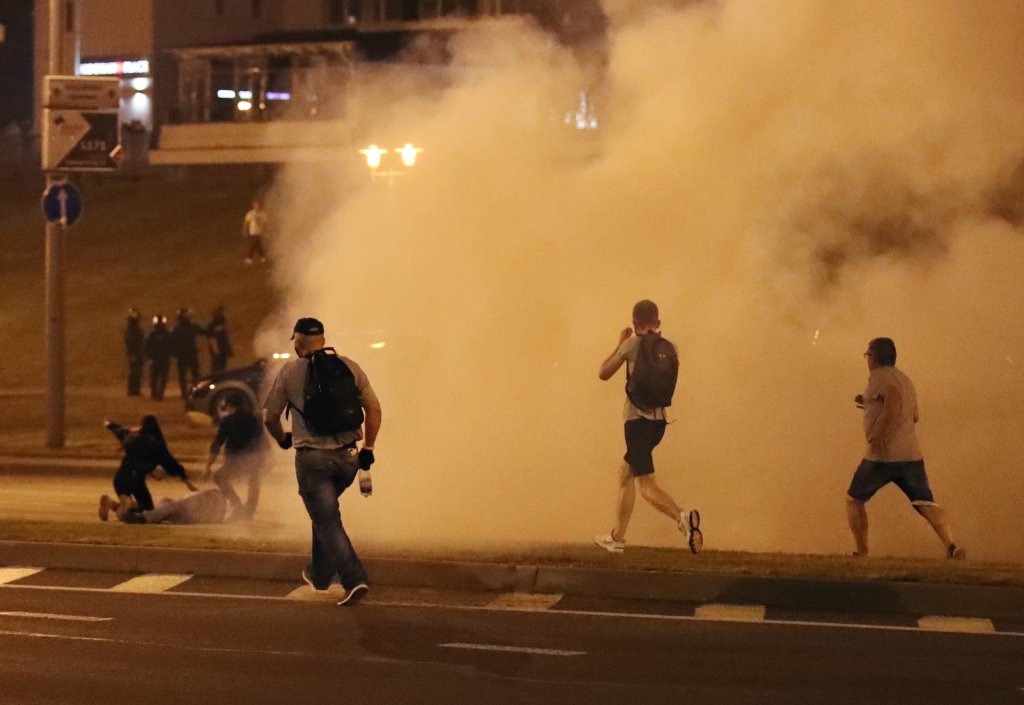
{"type": "Point", "coordinates": [613, 362]}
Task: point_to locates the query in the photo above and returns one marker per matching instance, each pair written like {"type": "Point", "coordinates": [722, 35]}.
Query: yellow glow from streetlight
{"type": "Point", "coordinates": [409, 154]}
{"type": "Point", "coordinates": [244, 105]}
{"type": "Point", "coordinates": [373, 155]}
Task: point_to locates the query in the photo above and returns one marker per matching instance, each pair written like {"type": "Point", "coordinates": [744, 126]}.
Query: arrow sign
{"type": "Point", "coordinates": [81, 141]}
{"type": "Point", "coordinates": [62, 203]}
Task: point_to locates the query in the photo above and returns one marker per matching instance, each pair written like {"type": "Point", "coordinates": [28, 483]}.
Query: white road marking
{"type": "Point", "coordinates": [108, 640]}
{"type": "Point", "coordinates": [967, 625]}
{"type": "Point", "coordinates": [568, 613]}
{"type": "Point", "coordinates": [65, 617]}
{"type": "Point", "coordinates": [730, 613]}
{"type": "Point", "coordinates": [511, 649]}
{"type": "Point", "coordinates": [8, 575]}
{"type": "Point", "coordinates": [305, 593]}
{"type": "Point", "coordinates": [524, 601]}
{"type": "Point", "coordinates": [151, 582]}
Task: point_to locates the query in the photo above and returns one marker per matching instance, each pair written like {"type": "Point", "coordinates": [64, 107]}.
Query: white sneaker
{"type": "Point", "coordinates": [353, 596]}
{"type": "Point", "coordinates": [689, 525]}
{"type": "Point", "coordinates": [610, 543]}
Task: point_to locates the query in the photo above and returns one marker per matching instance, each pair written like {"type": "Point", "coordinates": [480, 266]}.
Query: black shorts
{"type": "Point", "coordinates": [642, 435]}
{"type": "Point", "coordinates": [909, 476]}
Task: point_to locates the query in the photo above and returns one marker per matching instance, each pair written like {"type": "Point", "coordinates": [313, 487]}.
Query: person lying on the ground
{"type": "Point", "coordinates": [144, 450]}
{"type": "Point", "coordinates": [205, 507]}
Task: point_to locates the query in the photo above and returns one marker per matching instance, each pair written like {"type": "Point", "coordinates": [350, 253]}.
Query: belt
{"type": "Point", "coordinates": [347, 446]}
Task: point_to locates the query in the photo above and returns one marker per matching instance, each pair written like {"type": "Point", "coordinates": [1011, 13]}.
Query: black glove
{"type": "Point", "coordinates": [365, 458]}
{"type": "Point", "coordinates": [286, 442]}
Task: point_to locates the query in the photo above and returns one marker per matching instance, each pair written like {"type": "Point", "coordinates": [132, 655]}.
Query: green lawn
{"type": "Point", "coordinates": [157, 243]}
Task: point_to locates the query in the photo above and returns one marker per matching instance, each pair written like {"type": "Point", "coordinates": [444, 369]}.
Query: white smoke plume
{"type": "Point", "coordinates": [786, 180]}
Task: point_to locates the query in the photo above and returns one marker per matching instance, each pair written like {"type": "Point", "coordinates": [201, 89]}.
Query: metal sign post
{"type": "Point", "coordinates": [80, 133]}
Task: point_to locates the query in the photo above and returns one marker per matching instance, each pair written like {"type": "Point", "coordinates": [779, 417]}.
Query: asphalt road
{"type": "Point", "coordinates": [68, 638]}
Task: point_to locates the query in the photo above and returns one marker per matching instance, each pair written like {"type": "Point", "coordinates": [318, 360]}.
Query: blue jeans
{"type": "Point", "coordinates": [322, 476]}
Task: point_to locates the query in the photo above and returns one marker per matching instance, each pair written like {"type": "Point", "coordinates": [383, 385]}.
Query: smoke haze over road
{"type": "Point", "coordinates": [787, 180]}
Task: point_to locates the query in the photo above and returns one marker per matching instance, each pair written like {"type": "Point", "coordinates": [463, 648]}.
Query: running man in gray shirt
{"type": "Point", "coordinates": [325, 466]}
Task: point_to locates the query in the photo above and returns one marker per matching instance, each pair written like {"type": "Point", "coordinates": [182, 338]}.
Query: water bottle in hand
{"type": "Point", "coordinates": [365, 483]}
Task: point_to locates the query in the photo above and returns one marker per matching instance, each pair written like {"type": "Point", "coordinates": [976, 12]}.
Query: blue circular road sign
{"type": "Point", "coordinates": [62, 203]}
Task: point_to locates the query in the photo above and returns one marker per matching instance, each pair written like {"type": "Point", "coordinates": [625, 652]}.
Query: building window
{"type": "Point", "coordinates": [257, 9]}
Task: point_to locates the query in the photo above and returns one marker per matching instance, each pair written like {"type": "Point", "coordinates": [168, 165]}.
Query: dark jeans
{"type": "Point", "coordinates": [255, 247]}
{"type": "Point", "coordinates": [158, 370]}
{"type": "Point", "coordinates": [249, 466]}
{"type": "Point", "coordinates": [131, 482]}
{"type": "Point", "coordinates": [322, 476]}
{"type": "Point", "coordinates": [135, 364]}
{"type": "Point", "coordinates": [188, 368]}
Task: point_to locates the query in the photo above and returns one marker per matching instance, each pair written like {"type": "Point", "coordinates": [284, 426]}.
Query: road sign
{"type": "Point", "coordinates": [81, 93]}
{"type": "Point", "coordinates": [75, 140]}
{"type": "Point", "coordinates": [62, 203]}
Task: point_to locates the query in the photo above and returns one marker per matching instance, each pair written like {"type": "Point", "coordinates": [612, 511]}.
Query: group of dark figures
{"type": "Point", "coordinates": [181, 342]}
{"type": "Point", "coordinates": [246, 458]}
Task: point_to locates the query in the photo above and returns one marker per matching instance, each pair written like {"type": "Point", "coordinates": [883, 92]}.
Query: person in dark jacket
{"type": "Point", "coordinates": [133, 350]}
{"type": "Point", "coordinates": [185, 350]}
{"type": "Point", "coordinates": [157, 350]}
{"type": "Point", "coordinates": [240, 434]}
{"type": "Point", "coordinates": [144, 450]}
{"type": "Point", "coordinates": [220, 341]}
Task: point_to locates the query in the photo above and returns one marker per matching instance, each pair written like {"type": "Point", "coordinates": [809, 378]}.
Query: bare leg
{"type": "Point", "coordinates": [659, 498]}
{"type": "Point", "coordinates": [627, 498]}
{"type": "Point", "coordinates": [857, 515]}
{"type": "Point", "coordinates": [936, 516]}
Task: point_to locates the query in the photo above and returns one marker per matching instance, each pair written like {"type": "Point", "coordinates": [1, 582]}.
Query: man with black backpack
{"type": "Point", "coordinates": [652, 368]}
{"type": "Point", "coordinates": [326, 396]}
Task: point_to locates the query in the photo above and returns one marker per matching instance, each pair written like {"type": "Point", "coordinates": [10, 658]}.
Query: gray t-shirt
{"type": "Point", "coordinates": [627, 352]}
{"type": "Point", "coordinates": [288, 386]}
{"type": "Point", "coordinates": [901, 443]}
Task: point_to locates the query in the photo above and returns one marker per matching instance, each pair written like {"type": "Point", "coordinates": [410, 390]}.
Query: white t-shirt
{"type": "Point", "coordinates": [901, 443]}
{"type": "Point", "coordinates": [255, 222]}
{"type": "Point", "coordinates": [627, 352]}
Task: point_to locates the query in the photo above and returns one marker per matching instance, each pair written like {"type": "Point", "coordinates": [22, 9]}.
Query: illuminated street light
{"type": "Point", "coordinates": [373, 155]}
{"type": "Point", "coordinates": [409, 154]}
{"type": "Point", "coordinates": [244, 105]}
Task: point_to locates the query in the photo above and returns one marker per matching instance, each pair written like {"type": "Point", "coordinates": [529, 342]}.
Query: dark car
{"type": "Point", "coordinates": [207, 400]}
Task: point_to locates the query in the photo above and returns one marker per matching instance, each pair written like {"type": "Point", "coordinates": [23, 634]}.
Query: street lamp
{"type": "Point", "coordinates": [374, 155]}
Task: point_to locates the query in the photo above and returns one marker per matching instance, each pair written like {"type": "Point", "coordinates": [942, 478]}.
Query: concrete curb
{"type": "Point", "coordinates": [84, 466]}
{"type": "Point", "coordinates": [993, 602]}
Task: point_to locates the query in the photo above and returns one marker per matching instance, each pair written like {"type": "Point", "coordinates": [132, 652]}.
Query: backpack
{"type": "Point", "coordinates": [332, 403]}
{"type": "Point", "coordinates": [653, 380]}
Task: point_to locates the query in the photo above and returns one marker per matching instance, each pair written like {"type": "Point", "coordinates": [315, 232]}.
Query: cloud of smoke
{"type": "Point", "coordinates": [787, 181]}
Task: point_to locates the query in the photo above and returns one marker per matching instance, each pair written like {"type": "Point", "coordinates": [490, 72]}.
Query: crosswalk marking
{"type": "Point", "coordinates": [151, 582]}
{"type": "Point", "coordinates": [9, 575]}
{"type": "Point", "coordinates": [969, 625]}
{"type": "Point", "coordinates": [64, 617]}
{"type": "Point", "coordinates": [730, 613]}
{"type": "Point", "coordinates": [524, 601]}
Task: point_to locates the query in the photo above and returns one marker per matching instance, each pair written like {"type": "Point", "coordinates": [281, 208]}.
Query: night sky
{"type": "Point", "coordinates": [16, 61]}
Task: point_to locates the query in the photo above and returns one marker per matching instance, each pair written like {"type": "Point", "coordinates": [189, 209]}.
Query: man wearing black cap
{"type": "Point", "coordinates": [325, 464]}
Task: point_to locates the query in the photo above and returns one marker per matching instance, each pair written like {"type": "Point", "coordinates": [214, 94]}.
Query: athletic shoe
{"type": "Point", "coordinates": [308, 579]}
{"type": "Point", "coordinates": [609, 543]}
{"type": "Point", "coordinates": [954, 552]}
{"type": "Point", "coordinates": [354, 595]}
{"type": "Point", "coordinates": [689, 525]}
{"type": "Point", "coordinates": [104, 507]}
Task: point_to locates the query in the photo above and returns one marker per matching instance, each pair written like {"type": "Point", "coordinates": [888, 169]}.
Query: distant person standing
{"type": "Point", "coordinates": [240, 434]}
{"type": "Point", "coordinates": [254, 227]}
{"type": "Point", "coordinates": [652, 365]}
{"type": "Point", "coordinates": [157, 350]}
{"type": "Point", "coordinates": [220, 341]}
{"type": "Point", "coordinates": [328, 395]}
{"type": "Point", "coordinates": [893, 451]}
{"type": "Point", "coordinates": [185, 350]}
{"type": "Point", "coordinates": [134, 346]}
